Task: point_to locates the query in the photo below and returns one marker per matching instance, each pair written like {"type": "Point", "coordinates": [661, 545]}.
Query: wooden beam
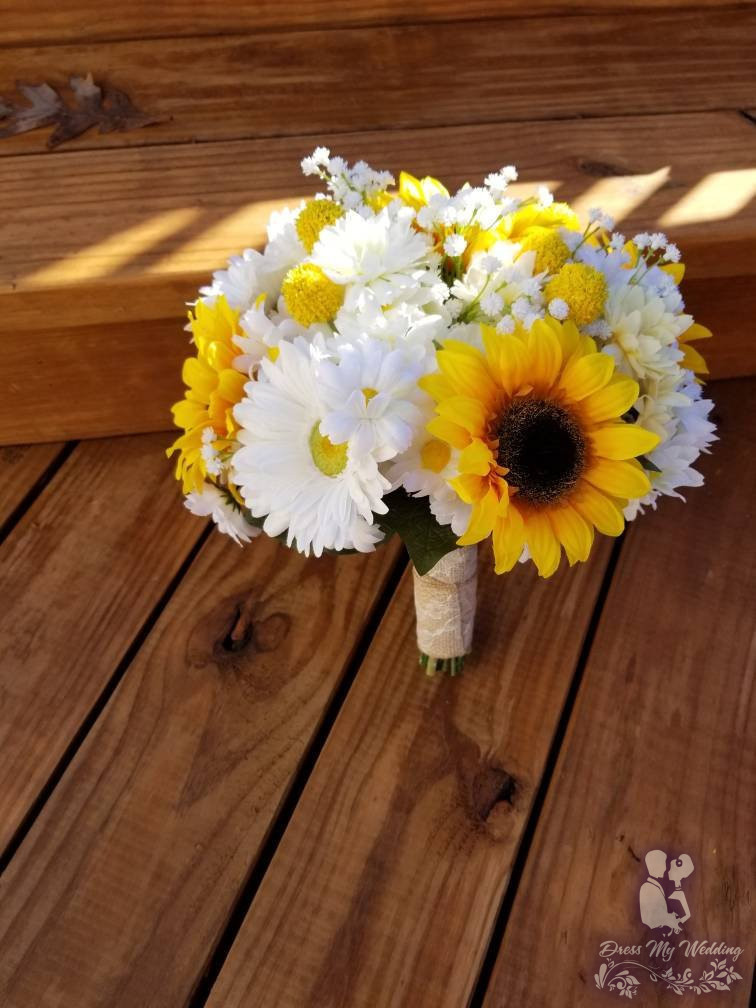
{"type": "Point", "coordinates": [87, 21]}
{"type": "Point", "coordinates": [146, 842]}
{"type": "Point", "coordinates": [386, 883]}
{"type": "Point", "coordinates": [21, 466]}
{"type": "Point", "coordinates": [660, 751]}
{"type": "Point", "coordinates": [289, 83]}
{"type": "Point", "coordinates": [82, 572]}
{"type": "Point", "coordinates": [107, 246]}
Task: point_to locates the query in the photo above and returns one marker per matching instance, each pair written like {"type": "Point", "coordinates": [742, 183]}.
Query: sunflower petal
{"type": "Point", "coordinates": [573, 532]}
{"type": "Point", "coordinates": [437, 386]}
{"type": "Point", "coordinates": [612, 401]}
{"type": "Point", "coordinates": [545, 354]}
{"type": "Point", "coordinates": [465, 412]}
{"type": "Point", "coordinates": [598, 509]}
{"type": "Point", "coordinates": [449, 432]}
{"type": "Point", "coordinates": [469, 488]}
{"type": "Point", "coordinates": [475, 459]}
{"type": "Point", "coordinates": [508, 540]}
{"type": "Point", "coordinates": [542, 543]}
{"type": "Point", "coordinates": [481, 520]}
{"type": "Point", "coordinates": [585, 375]}
{"type": "Point", "coordinates": [469, 375]}
{"type": "Point", "coordinates": [693, 360]}
{"type": "Point", "coordinates": [623, 441]}
{"type": "Point", "coordinates": [619, 479]}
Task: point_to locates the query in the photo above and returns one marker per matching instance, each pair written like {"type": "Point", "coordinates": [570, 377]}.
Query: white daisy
{"type": "Point", "coordinates": [262, 333]}
{"type": "Point", "coordinates": [243, 279]}
{"type": "Point", "coordinates": [290, 473]}
{"type": "Point", "coordinates": [219, 505]}
{"type": "Point", "coordinates": [380, 258]}
{"type": "Point", "coordinates": [372, 400]}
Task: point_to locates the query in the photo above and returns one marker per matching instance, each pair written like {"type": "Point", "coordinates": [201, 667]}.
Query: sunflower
{"type": "Point", "coordinates": [544, 455]}
{"type": "Point", "coordinates": [214, 388]}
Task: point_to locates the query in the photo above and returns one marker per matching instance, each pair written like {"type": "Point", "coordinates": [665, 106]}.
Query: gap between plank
{"type": "Point", "coordinates": [35, 489]}
{"type": "Point", "coordinates": [100, 703]}
{"type": "Point", "coordinates": [500, 924]}
{"type": "Point", "coordinates": [244, 900]}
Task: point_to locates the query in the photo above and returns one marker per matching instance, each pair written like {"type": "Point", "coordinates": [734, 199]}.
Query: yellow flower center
{"type": "Point", "coordinates": [584, 290]}
{"type": "Point", "coordinates": [369, 393]}
{"type": "Point", "coordinates": [272, 353]}
{"type": "Point", "coordinates": [551, 252]}
{"type": "Point", "coordinates": [314, 216]}
{"type": "Point", "coordinates": [310, 295]}
{"type": "Point", "coordinates": [331, 459]}
{"type": "Point", "coordinates": [435, 455]}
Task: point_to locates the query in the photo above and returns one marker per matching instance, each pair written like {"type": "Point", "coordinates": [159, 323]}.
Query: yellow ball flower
{"type": "Point", "coordinates": [314, 216]}
{"type": "Point", "coordinates": [551, 251]}
{"type": "Point", "coordinates": [310, 295]}
{"type": "Point", "coordinates": [583, 289]}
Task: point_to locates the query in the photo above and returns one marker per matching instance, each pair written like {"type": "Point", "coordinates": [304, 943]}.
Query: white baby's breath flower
{"type": "Point", "coordinates": [558, 309]}
{"type": "Point", "coordinates": [455, 245]}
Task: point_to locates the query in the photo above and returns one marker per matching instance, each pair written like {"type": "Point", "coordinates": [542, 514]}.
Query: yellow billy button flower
{"type": "Point", "coordinates": [551, 251]}
{"type": "Point", "coordinates": [214, 387]}
{"type": "Point", "coordinates": [330, 458]}
{"type": "Point", "coordinates": [544, 455]}
{"type": "Point", "coordinates": [313, 217]}
{"type": "Point", "coordinates": [584, 290]}
{"type": "Point", "coordinates": [310, 295]}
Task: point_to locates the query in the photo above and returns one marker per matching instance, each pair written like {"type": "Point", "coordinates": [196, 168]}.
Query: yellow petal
{"type": "Point", "coordinates": [675, 270]}
{"type": "Point", "coordinates": [188, 414]}
{"type": "Point", "coordinates": [696, 332]}
{"type": "Point", "coordinates": [612, 401]}
{"type": "Point", "coordinates": [437, 386]}
{"type": "Point", "coordinates": [572, 532]}
{"type": "Point", "coordinates": [508, 540]}
{"type": "Point", "coordinates": [447, 431]}
{"type": "Point", "coordinates": [469, 488]}
{"type": "Point", "coordinates": [231, 385]}
{"type": "Point", "coordinates": [469, 375]}
{"type": "Point", "coordinates": [598, 509]}
{"type": "Point", "coordinates": [468, 413]}
{"type": "Point", "coordinates": [476, 459]}
{"type": "Point", "coordinates": [693, 360]}
{"type": "Point", "coordinates": [545, 354]}
{"type": "Point", "coordinates": [623, 441]}
{"type": "Point", "coordinates": [619, 479]}
{"type": "Point", "coordinates": [586, 375]}
{"type": "Point", "coordinates": [506, 354]}
{"type": "Point", "coordinates": [481, 520]}
{"type": "Point", "coordinates": [199, 376]}
{"type": "Point", "coordinates": [542, 543]}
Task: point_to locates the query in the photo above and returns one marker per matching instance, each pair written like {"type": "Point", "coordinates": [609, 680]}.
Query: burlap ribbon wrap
{"type": "Point", "coordinates": [445, 604]}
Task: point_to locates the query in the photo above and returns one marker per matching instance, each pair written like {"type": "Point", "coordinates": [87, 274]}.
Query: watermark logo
{"type": "Point", "coordinates": [660, 958]}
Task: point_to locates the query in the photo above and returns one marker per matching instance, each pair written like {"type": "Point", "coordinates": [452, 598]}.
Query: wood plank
{"type": "Point", "coordinates": [81, 573]}
{"type": "Point", "coordinates": [661, 749]}
{"type": "Point", "coordinates": [89, 21]}
{"type": "Point", "coordinates": [135, 232]}
{"type": "Point", "coordinates": [21, 466]}
{"type": "Point", "coordinates": [292, 83]}
{"type": "Point", "coordinates": [386, 882]}
{"type": "Point", "coordinates": [145, 844]}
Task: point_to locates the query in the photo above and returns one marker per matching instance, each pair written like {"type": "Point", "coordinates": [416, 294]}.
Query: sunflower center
{"type": "Point", "coordinates": [330, 458]}
{"type": "Point", "coordinates": [543, 448]}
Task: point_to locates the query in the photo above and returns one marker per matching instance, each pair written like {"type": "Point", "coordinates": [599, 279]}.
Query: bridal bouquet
{"type": "Point", "coordinates": [447, 367]}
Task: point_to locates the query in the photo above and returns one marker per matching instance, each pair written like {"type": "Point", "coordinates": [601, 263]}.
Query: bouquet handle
{"type": "Point", "coordinates": [445, 601]}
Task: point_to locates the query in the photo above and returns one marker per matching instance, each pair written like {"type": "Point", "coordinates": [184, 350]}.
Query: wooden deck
{"type": "Point", "coordinates": [224, 780]}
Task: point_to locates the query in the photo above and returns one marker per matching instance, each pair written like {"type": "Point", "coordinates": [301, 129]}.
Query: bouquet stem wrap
{"type": "Point", "coordinates": [445, 600]}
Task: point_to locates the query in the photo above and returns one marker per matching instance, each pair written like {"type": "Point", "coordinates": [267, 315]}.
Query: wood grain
{"type": "Point", "coordinates": [85, 20]}
{"type": "Point", "coordinates": [304, 82]}
{"type": "Point", "coordinates": [102, 244]}
{"type": "Point", "coordinates": [145, 844]}
{"type": "Point", "coordinates": [81, 573]}
{"type": "Point", "coordinates": [20, 468]}
{"type": "Point", "coordinates": [386, 882]}
{"type": "Point", "coordinates": [661, 750]}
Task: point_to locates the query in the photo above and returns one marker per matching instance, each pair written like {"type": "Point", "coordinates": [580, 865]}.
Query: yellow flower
{"type": "Point", "coordinates": [552, 252]}
{"type": "Point", "coordinates": [310, 295]}
{"type": "Point", "coordinates": [692, 359]}
{"type": "Point", "coordinates": [517, 225]}
{"type": "Point", "coordinates": [583, 288]}
{"type": "Point", "coordinates": [313, 217]}
{"type": "Point", "coordinates": [544, 454]}
{"type": "Point", "coordinates": [213, 389]}
{"type": "Point", "coordinates": [416, 192]}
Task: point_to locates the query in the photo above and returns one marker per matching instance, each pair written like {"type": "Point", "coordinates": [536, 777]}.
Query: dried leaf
{"type": "Point", "coordinates": [108, 108]}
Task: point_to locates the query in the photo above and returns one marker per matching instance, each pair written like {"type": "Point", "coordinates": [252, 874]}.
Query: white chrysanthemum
{"type": "Point", "coordinates": [241, 282]}
{"type": "Point", "coordinates": [284, 249]}
{"type": "Point", "coordinates": [644, 333]}
{"type": "Point", "coordinates": [214, 503]}
{"type": "Point", "coordinates": [262, 333]}
{"type": "Point", "coordinates": [372, 400]}
{"type": "Point", "coordinates": [423, 471]}
{"type": "Point", "coordinates": [692, 433]}
{"type": "Point", "coordinates": [380, 258]}
{"type": "Point", "coordinates": [408, 325]}
{"type": "Point", "coordinates": [288, 472]}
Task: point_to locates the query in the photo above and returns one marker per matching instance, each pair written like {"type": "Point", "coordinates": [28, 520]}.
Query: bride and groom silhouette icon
{"type": "Point", "coordinates": [657, 907]}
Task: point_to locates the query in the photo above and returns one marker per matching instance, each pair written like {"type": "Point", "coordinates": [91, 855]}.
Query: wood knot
{"type": "Point", "coordinates": [262, 635]}
{"type": "Point", "coordinates": [491, 787]}
{"type": "Point", "coordinates": [601, 169]}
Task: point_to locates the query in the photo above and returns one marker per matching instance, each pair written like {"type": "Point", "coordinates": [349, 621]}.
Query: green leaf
{"type": "Point", "coordinates": [411, 519]}
{"type": "Point", "coordinates": [648, 464]}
